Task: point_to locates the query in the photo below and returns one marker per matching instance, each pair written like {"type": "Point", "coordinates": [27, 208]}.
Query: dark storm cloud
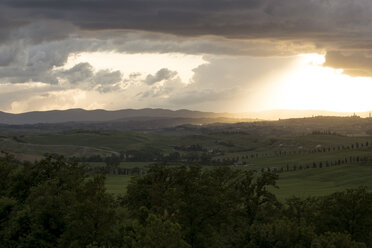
{"type": "Point", "coordinates": [330, 25]}
{"type": "Point", "coordinates": [239, 18]}
{"type": "Point", "coordinates": [39, 32]}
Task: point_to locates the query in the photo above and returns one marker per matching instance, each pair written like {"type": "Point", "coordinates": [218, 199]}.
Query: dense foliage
{"type": "Point", "coordinates": [53, 203]}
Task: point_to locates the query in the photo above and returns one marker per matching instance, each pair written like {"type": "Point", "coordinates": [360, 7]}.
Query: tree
{"type": "Point", "coordinates": [154, 232]}
{"type": "Point", "coordinates": [349, 211]}
{"type": "Point", "coordinates": [279, 234]}
{"type": "Point", "coordinates": [112, 162]}
{"type": "Point", "coordinates": [208, 204]}
{"type": "Point", "coordinates": [8, 167]}
{"type": "Point", "coordinates": [92, 217]}
{"type": "Point", "coordinates": [51, 203]}
{"type": "Point", "coordinates": [339, 240]}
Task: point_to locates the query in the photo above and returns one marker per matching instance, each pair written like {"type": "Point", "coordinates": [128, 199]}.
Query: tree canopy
{"type": "Point", "coordinates": [55, 203]}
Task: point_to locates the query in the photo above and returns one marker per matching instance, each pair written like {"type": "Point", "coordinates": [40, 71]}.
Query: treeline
{"type": "Point", "coordinates": [196, 154]}
{"type": "Point", "coordinates": [135, 171]}
{"type": "Point", "coordinates": [192, 156]}
{"type": "Point", "coordinates": [325, 132]}
{"type": "Point", "coordinates": [318, 164]}
{"type": "Point", "coordinates": [53, 203]}
{"type": "Point", "coordinates": [141, 155]}
{"type": "Point", "coordinates": [317, 149]}
{"type": "Point", "coordinates": [250, 158]}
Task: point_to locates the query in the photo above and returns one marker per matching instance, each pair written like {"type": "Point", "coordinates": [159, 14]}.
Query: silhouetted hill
{"type": "Point", "coordinates": [100, 115]}
{"type": "Point", "coordinates": [80, 115]}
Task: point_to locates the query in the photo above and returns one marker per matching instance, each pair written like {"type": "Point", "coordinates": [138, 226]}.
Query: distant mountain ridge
{"type": "Point", "coordinates": [147, 114]}
{"type": "Point", "coordinates": [99, 115]}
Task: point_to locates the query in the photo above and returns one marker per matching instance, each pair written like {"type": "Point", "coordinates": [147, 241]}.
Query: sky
{"type": "Point", "coordinates": [209, 55]}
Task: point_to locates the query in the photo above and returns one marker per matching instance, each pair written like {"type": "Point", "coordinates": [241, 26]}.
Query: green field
{"type": "Point", "coordinates": [117, 184]}
{"type": "Point", "coordinates": [128, 165]}
{"type": "Point", "coordinates": [304, 183]}
{"type": "Point", "coordinates": [317, 182]}
{"type": "Point", "coordinates": [245, 150]}
{"type": "Point", "coordinates": [74, 143]}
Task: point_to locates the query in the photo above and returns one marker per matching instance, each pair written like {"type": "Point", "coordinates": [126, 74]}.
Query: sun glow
{"type": "Point", "coordinates": [310, 85]}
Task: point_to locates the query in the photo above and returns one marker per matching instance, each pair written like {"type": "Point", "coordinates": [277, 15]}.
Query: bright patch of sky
{"type": "Point", "coordinates": [309, 85]}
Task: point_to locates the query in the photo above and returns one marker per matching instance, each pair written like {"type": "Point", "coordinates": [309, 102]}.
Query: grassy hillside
{"type": "Point", "coordinates": [313, 182]}
{"type": "Point", "coordinates": [323, 181]}
{"type": "Point", "coordinates": [311, 162]}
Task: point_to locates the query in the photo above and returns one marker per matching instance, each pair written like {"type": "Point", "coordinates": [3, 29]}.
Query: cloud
{"type": "Point", "coordinates": [230, 18]}
{"type": "Point", "coordinates": [241, 40]}
{"type": "Point", "coordinates": [108, 81]}
{"type": "Point", "coordinates": [223, 83]}
{"type": "Point", "coordinates": [42, 31]}
{"type": "Point", "coordinates": [61, 99]}
{"type": "Point", "coordinates": [195, 97]}
{"type": "Point", "coordinates": [247, 27]}
{"type": "Point", "coordinates": [357, 63]}
{"type": "Point", "coordinates": [9, 54]}
{"type": "Point", "coordinates": [83, 76]}
{"type": "Point", "coordinates": [77, 74]}
{"type": "Point", "coordinates": [32, 63]}
{"type": "Point", "coordinates": [107, 77]}
{"type": "Point", "coordinates": [162, 74]}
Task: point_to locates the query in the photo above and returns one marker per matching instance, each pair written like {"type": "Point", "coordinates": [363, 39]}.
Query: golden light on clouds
{"type": "Point", "coordinates": [210, 83]}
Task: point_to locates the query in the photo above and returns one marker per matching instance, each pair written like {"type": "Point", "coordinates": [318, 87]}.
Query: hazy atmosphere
{"type": "Point", "coordinates": [220, 55]}
{"type": "Point", "coordinates": [186, 123]}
